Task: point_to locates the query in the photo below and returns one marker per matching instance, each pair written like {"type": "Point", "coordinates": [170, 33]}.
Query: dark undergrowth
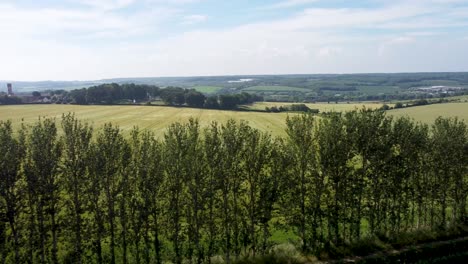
{"type": "Point", "coordinates": [421, 246]}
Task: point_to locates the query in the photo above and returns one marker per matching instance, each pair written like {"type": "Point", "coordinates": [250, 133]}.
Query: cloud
{"type": "Point", "coordinates": [193, 19]}
{"type": "Point", "coordinates": [107, 4]}
{"type": "Point", "coordinates": [290, 3]}
{"type": "Point", "coordinates": [173, 2]}
{"type": "Point", "coordinates": [423, 33]}
{"type": "Point", "coordinates": [78, 23]}
{"type": "Point", "coordinates": [394, 42]}
{"type": "Point", "coordinates": [111, 41]}
{"type": "Point", "coordinates": [328, 51]}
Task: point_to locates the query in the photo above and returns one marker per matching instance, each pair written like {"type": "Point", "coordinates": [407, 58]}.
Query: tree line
{"type": "Point", "coordinates": [70, 194]}
{"type": "Point", "coordinates": [114, 93]}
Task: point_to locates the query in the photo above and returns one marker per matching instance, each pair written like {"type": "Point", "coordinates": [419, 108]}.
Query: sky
{"type": "Point", "coordinates": [97, 39]}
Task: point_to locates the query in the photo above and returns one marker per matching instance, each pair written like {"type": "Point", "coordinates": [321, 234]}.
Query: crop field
{"type": "Point", "coordinates": [276, 89]}
{"type": "Point", "coordinates": [156, 118]}
{"type": "Point", "coordinates": [429, 113]}
{"type": "Point", "coordinates": [323, 107]}
{"type": "Point", "coordinates": [207, 89]}
{"type": "Point", "coordinates": [375, 90]}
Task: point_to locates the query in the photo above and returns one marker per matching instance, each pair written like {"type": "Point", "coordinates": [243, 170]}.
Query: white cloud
{"type": "Point", "coordinates": [173, 2]}
{"type": "Point", "coordinates": [290, 3]}
{"type": "Point", "coordinates": [328, 51]}
{"type": "Point", "coordinates": [107, 4]}
{"type": "Point", "coordinates": [423, 34]}
{"type": "Point", "coordinates": [49, 22]}
{"type": "Point", "coordinates": [317, 40]}
{"type": "Point", "coordinates": [193, 19]}
{"type": "Point", "coordinates": [394, 42]}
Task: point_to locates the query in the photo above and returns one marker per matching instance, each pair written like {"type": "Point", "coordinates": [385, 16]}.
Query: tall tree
{"type": "Point", "coordinates": [76, 143]}
{"type": "Point", "coordinates": [334, 151]}
{"type": "Point", "coordinates": [44, 152]}
{"type": "Point", "coordinates": [147, 200]}
{"type": "Point", "coordinates": [13, 151]}
{"type": "Point", "coordinates": [112, 156]}
{"type": "Point", "coordinates": [270, 191]}
{"type": "Point", "coordinates": [301, 198]}
{"type": "Point", "coordinates": [255, 157]}
{"type": "Point", "coordinates": [176, 144]}
{"type": "Point", "coordinates": [214, 158]}
{"type": "Point", "coordinates": [449, 156]}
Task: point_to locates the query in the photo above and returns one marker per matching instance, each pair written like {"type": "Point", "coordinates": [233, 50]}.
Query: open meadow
{"type": "Point", "coordinates": [322, 106]}
{"type": "Point", "coordinates": [155, 118]}
{"type": "Point", "coordinates": [158, 118]}
{"type": "Point", "coordinates": [429, 113]}
{"type": "Point", "coordinates": [207, 89]}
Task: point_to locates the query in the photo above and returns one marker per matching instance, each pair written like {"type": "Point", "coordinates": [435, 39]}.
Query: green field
{"type": "Point", "coordinates": [276, 89]}
{"type": "Point", "coordinates": [429, 113]}
{"type": "Point", "coordinates": [156, 118]}
{"type": "Point", "coordinates": [323, 107]}
{"type": "Point", "coordinates": [375, 90]}
{"type": "Point", "coordinates": [207, 89]}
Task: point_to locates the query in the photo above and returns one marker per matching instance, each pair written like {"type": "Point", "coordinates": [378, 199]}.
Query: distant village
{"type": "Point", "coordinates": [436, 90]}
{"type": "Point", "coordinates": [35, 97]}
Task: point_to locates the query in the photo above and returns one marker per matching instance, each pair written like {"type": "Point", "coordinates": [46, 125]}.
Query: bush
{"type": "Point", "coordinates": [398, 105]}
{"type": "Point", "coordinates": [283, 253]}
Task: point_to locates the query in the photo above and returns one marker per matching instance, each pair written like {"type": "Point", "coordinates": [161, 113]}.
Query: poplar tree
{"type": "Point", "coordinates": [334, 151]}
{"type": "Point", "coordinates": [302, 200]}
{"type": "Point", "coordinates": [76, 143]}
{"type": "Point", "coordinates": [176, 144]}
{"type": "Point", "coordinates": [449, 156]}
{"type": "Point", "coordinates": [112, 157]}
{"type": "Point", "coordinates": [11, 193]}
{"type": "Point", "coordinates": [44, 152]}
{"type": "Point", "coordinates": [255, 157]}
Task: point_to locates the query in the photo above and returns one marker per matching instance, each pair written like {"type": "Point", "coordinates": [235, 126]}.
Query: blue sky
{"type": "Point", "coordinates": [94, 39]}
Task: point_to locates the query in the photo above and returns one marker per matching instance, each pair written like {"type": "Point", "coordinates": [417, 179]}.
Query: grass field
{"type": "Point", "coordinates": [156, 118]}
{"type": "Point", "coordinates": [323, 107]}
{"type": "Point", "coordinates": [429, 113]}
{"type": "Point", "coordinates": [276, 89]}
{"type": "Point", "coordinates": [375, 90]}
{"type": "Point", "coordinates": [207, 89]}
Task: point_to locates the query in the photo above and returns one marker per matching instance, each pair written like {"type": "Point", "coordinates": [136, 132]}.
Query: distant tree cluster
{"type": "Point", "coordinates": [419, 102]}
{"type": "Point", "coordinates": [292, 108]}
{"type": "Point", "coordinates": [113, 93]}
{"type": "Point", "coordinates": [81, 196]}
{"type": "Point", "coordinates": [193, 98]}
{"type": "Point", "coordinates": [9, 100]}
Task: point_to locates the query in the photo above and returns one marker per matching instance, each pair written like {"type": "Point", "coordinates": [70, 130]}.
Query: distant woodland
{"type": "Point", "coordinates": [282, 88]}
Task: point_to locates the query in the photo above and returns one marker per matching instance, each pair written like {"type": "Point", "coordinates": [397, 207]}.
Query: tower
{"type": "Point", "coordinates": [10, 89]}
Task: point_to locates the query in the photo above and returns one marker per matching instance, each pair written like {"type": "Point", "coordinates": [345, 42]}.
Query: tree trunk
{"type": "Point", "coordinates": [54, 237]}
{"type": "Point", "coordinates": [157, 244]}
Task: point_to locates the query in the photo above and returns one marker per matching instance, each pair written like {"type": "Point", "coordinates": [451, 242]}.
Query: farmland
{"type": "Point", "coordinates": [429, 113]}
{"type": "Point", "coordinates": [208, 89]}
{"type": "Point", "coordinates": [156, 118]}
{"type": "Point", "coordinates": [276, 89]}
{"type": "Point", "coordinates": [323, 107]}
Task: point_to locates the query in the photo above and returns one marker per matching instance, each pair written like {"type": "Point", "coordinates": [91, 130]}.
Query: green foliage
{"type": "Point", "coordinates": [293, 108]}
{"type": "Point", "coordinates": [9, 100]}
{"type": "Point", "coordinates": [195, 99]}
{"type": "Point", "coordinates": [339, 185]}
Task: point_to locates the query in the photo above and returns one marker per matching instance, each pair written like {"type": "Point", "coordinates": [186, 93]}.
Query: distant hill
{"type": "Point", "coordinates": [301, 87]}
